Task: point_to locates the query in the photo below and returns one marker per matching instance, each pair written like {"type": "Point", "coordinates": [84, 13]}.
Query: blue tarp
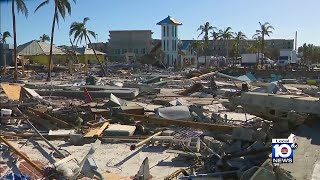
{"type": "Point", "coordinates": [13, 176]}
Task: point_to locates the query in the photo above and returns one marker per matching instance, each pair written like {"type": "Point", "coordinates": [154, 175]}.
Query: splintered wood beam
{"type": "Point", "coordinates": [183, 123]}
{"type": "Point", "coordinates": [52, 119]}
{"type": "Point", "coordinates": [22, 155]}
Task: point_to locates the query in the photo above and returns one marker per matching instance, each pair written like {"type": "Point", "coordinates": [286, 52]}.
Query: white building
{"type": "Point", "coordinates": [169, 40]}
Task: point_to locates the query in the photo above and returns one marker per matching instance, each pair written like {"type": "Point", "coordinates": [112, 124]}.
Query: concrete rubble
{"type": "Point", "coordinates": [135, 124]}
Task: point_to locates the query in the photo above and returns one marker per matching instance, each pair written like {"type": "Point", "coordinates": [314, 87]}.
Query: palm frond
{"type": "Point", "coordinates": [42, 4]}
{"type": "Point", "coordinates": [92, 33]}
{"type": "Point", "coordinates": [21, 6]}
{"type": "Point", "coordinates": [62, 9]}
{"type": "Point", "coordinates": [85, 20]}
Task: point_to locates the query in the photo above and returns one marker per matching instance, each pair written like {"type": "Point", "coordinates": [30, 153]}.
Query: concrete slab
{"type": "Point", "coordinates": [119, 130]}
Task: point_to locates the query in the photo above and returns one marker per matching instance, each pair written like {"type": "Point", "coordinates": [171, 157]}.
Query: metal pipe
{"type": "Point", "coordinates": [134, 146]}
{"type": "Point", "coordinates": [39, 169]}
{"type": "Point", "coordinates": [45, 140]}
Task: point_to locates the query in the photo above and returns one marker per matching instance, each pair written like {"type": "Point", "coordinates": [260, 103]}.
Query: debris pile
{"type": "Point", "coordinates": [141, 125]}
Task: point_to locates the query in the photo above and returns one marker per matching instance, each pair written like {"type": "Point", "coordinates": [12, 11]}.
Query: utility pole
{"type": "Point", "coordinates": [295, 41]}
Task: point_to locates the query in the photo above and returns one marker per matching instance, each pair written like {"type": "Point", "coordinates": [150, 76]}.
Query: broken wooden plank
{"type": "Point", "coordinates": [91, 133]}
{"type": "Point", "coordinates": [101, 129]}
{"type": "Point", "coordinates": [52, 119]}
{"type": "Point", "coordinates": [37, 119]}
{"type": "Point", "coordinates": [183, 123]}
{"type": "Point", "coordinates": [134, 146]}
{"type": "Point", "coordinates": [22, 155]}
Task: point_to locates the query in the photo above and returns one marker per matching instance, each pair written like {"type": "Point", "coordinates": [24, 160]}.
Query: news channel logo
{"type": "Point", "coordinates": [283, 150]}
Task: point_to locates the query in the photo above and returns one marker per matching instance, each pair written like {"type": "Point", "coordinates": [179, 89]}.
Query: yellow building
{"type": "Point", "coordinates": [86, 55]}
{"type": "Point", "coordinates": [38, 52]}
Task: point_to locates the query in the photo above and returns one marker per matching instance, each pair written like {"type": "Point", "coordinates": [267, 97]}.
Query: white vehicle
{"type": "Point", "coordinates": [251, 59]}
{"type": "Point", "coordinates": [287, 57]}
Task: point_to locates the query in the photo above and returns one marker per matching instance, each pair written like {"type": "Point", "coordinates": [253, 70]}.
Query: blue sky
{"type": "Point", "coordinates": [287, 16]}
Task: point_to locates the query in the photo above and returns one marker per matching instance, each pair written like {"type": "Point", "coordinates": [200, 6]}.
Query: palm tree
{"type": "Point", "coordinates": [239, 36]}
{"type": "Point", "coordinates": [3, 40]}
{"type": "Point", "coordinates": [258, 44]}
{"type": "Point", "coordinates": [197, 46]}
{"type": "Point", "coordinates": [265, 30]}
{"type": "Point", "coordinates": [60, 7]}
{"type": "Point", "coordinates": [80, 31]}
{"type": "Point", "coordinates": [44, 38]}
{"type": "Point", "coordinates": [226, 35]}
{"type": "Point", "coordinates": [204, 30]}
{"type": "Point", "coordinates": [215, 36]}
{"type": "Point", "coordinates": [21, 7]}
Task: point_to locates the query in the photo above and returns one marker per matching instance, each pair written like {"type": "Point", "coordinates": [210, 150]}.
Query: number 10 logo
{"type": "Point", "coordinates": [282, 151]}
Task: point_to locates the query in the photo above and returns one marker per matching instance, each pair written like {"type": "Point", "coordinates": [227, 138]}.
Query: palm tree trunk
{"type": "Point", "coordinates": [197, 60]}
{"type": "Point", "coordinates": [262, 45]}
{"type": "Point", "coordinates": [14, 42]}
{"type": "Point", "coordinates": [205, 58]}
{"type": "Point", "coordinates": [51, 40]}
{"type": "Point", "coordinates": [4, 62]}
{"type": "Point", "coordinates": [94, 51]}
{"type": "Point", "coordinates": [227, 49]}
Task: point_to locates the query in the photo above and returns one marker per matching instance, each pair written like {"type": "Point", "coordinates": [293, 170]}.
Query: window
{"type": "Point", "coordinates": [143, 50]}
{"type": "Point", "coordinates": [164, 45]}
{"type": "Point", "coordinates": [136, 51]}
{"type": "Point", "coordinates": [168, 45]}
{"type": "Point", "coordinates": [173, 45]}
{"type": "Point", "coordinates": [130, 50]}
{"type": "Point", "coordinates": [168, 31]}
{"type": "Point", "coordinates": [173, 31]}
{"type": "Point", "coordinates": [117, 51]}
{"type": "Point", "coordinates": [124, 51]}
{"type": "Point", "coordinates": [164, 31]}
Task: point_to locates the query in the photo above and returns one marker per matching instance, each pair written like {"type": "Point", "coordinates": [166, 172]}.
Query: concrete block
{"type": "Point", "coordinates": [207, 140]}
{"type": "Point", "coordinates": [194, 144]}
{"type": "Point", "coordinates": [244, 134]}
{"type": "Point", "coordinates": [167, 133]}
{"type": "Point", "coordinates": [76, 139]}
{"type": "Point", "coordinates": [168, 140]}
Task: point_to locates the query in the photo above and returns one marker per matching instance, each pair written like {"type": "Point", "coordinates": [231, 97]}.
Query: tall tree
{"type": "Point", "coordinates": [215, 36]}
{"type": "Point", "coordinates": [197, 46]}
{"type": "Point", "coordinates": [204, 31]}
{"type": "Point", "coordinates": [3, 40]}
{"type": "Point", "coordinates": [44, 38]}
{"type": "Point", "coordinates": [265, 30]}
{"type": "Point", "coordinates": [60, 8]}
{"type": "Point", "coordinates": [80, 31]}
{"type": "Point", "coordinates": [21, 7]}
{"type": "Point", "coordinates": [226, 35]}
{"type": "Point", "coordinates": [258, 44]}
{"type": "Point", "coordinates": [240, 37]}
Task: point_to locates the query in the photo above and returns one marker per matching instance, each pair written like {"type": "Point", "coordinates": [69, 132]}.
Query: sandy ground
{"type": "Point", "coordinates": [307, 156]}
{"type": "Point", "coordinates": [116, 158]}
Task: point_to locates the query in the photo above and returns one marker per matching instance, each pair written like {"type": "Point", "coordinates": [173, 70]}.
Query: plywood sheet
{"type": "Point", "coordinates": [12, 91]}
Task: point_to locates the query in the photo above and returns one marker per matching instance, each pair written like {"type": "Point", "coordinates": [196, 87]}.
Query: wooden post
{"type": "Point", "coordinates": [21, 155]}
{"type": "Point", "coordinates": [134, 146]}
